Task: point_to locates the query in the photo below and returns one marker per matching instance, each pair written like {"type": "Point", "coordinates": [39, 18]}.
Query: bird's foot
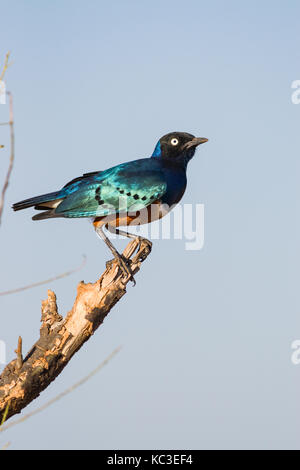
{"type": "Point", "coordinates": [144, 248]}
{"type": "Point", "coordinates": [124, 265]}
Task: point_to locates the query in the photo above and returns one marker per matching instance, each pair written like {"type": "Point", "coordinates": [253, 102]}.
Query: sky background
{"type": "Point", "coordinates": [206, 335]}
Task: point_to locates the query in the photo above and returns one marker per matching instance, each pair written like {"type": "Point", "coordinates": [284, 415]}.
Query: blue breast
{"type": "Point", "coordinates": [176, 184]}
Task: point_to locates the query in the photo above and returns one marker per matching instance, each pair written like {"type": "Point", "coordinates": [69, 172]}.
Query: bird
{"type": "Point", "coordinates": [131, 193]}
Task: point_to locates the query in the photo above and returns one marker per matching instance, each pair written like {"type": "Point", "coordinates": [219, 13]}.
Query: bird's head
{"type": "Point", "coordinates": [177, 147]}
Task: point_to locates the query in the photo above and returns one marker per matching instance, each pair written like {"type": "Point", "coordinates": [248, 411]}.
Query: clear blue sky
{"type": "Point", "coordinates": [206, 334]}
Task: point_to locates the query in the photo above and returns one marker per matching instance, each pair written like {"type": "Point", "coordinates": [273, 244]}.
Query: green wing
{"type": "Point", "coordinates": [129, 187]}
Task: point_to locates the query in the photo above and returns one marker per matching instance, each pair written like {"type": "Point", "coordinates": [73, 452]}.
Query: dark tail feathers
{"type": "Point", "coordinates": [36, 201]}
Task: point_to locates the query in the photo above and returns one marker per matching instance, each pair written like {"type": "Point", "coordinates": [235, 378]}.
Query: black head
{"type": "Point", "coordinates": [177, 147]}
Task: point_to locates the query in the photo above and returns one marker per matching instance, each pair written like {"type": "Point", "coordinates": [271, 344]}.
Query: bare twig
{"type": "Point", "coordinates": [46, 281]}
{"type": "Point", "coordinates": [5, 414]}
{"type": "Point", "coordinates": [62, 394]}
{"type": "Point", "coordinates": [18, 352]}
{"type": "Point", "coordinates": [60, 338]}
{"type": "Point", "coordinates": [12, 153]}
{"type": "Point", "coordinates": [5, 66]}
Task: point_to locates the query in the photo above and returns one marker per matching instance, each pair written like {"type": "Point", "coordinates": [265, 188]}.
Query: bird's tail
{"type": "Point", "coordinates": [45, 201]}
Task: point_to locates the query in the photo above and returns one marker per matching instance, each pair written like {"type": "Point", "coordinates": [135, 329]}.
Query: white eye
{"type": "Point", "coordinates": [174, 141]}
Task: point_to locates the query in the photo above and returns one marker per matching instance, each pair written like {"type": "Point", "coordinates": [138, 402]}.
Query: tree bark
{"type": "Point", "coordinates": [60, 338]}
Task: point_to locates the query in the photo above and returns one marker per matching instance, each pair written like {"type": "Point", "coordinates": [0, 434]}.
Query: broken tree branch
{"type": "Point", "coordinates": [60, 338]}
{"type": "Point", "coordinates": [61, 395]}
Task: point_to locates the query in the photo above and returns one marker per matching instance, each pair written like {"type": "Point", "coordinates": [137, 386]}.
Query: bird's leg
{"type": "Point", "coordinates": [142, 242]}
{"type": "Point", "coordinates": [121, 261]}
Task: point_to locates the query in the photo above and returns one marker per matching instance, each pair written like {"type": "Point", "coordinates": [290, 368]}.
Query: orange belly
{"type": "Point", "coordinates": [151, 213]}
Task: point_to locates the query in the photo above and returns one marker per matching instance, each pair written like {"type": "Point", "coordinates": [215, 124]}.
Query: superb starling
{"type": "Point", "coordinates": [131, 193]}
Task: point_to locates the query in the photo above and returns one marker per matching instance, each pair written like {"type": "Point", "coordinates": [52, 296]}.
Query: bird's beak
{"type": "Point", "coordinates": [195, 142]}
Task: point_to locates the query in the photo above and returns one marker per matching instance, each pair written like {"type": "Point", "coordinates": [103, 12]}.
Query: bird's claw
{"type": "Point", "coordinates": [144, 249]}
{"type": "Point", "coordinates": [124, 265]}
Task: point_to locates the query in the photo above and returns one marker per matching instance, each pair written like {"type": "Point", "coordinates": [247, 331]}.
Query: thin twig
{"type": "Point", "coordinates": [64, 393]}
{"type": "Point", "coordinates": [5, 413]}
{"type": "Point", "coordinates": [12, 153]}
{"type": "Point", "coordinates": [18, 352]}
{"type": "Point", "coordinates": [51, 279]}
{"type": "Point", "coordinates": [6, 65]}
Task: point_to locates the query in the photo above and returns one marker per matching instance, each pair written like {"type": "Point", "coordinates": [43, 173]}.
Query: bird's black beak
{"type": "Point", "coordinates": [195, 142]}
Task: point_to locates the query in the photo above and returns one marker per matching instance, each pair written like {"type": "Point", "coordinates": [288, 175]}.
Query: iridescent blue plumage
{"type": "Point", "coordinates": [130, 187]}
{"type": "Point", "coordinates": [157, 150]}
{"type": "Point", "coordinates": [133, 185]}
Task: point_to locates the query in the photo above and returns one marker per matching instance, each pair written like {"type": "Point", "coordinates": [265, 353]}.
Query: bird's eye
{"type": "Point", "coordinates": [174, 141]}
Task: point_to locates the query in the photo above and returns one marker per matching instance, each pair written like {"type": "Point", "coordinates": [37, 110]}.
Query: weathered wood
{"type": "Point", "coordinates": [60, 338]}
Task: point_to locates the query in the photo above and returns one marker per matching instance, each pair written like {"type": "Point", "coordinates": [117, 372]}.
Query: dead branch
{"type": "Point", "coordinates": [60, 338]}
{"type": "Point", "coordinates": [61, 395]}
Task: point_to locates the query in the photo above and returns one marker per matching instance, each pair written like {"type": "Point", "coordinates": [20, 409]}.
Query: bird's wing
{"type": "Point", "coordinates": [128, 187]}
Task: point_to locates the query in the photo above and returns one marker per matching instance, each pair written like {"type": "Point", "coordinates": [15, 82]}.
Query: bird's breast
{"type": "Point", "coordinates": [176, 184]}
{"type": "Point", "coordinates": [149, 214]}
